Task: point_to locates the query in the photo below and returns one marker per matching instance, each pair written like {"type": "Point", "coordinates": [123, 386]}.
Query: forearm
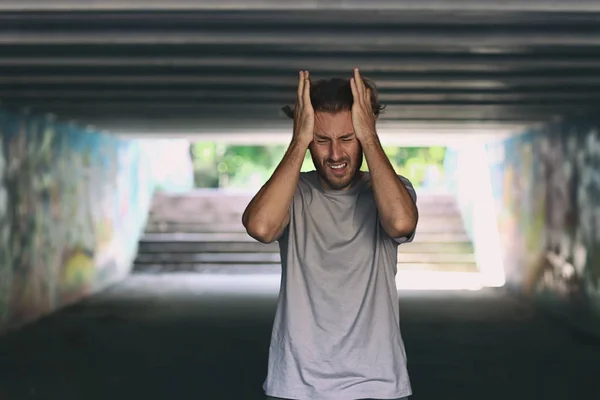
{"type": "Point", "coordinates": [268, 212]}
{"type": "Point", "coordinates": [397, 210]}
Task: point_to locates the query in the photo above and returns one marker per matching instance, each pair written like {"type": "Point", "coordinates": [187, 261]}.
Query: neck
{"type": "Point", "coordinates": [357, 177]}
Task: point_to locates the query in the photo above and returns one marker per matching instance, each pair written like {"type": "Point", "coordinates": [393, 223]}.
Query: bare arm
{"type": "Point", "coordinates": [267, 215]}
{"type": "Point", "coordinates": [397, 210]}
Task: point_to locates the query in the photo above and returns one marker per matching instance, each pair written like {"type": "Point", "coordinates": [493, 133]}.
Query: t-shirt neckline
{"type": "Point", "coordinates": [353, 189]}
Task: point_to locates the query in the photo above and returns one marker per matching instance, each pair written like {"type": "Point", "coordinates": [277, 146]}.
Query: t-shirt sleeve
{"type": "Point", "coordinates": [413, 195]}
{"type": "Point", "coordinates": [286, 228]}
{"type": "Point", "coordinates": [294, 204]}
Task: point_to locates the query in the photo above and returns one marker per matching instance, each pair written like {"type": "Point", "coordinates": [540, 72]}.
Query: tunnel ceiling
{"type": "Point", "coordinates": [150, 65]}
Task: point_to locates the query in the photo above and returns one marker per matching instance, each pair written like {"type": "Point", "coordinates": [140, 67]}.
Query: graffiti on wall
{"type": "Point", "coordinates": [72, 205]}
{"type": "Point", "coordinates": [5, 228]}
{"type": "Point", "coordinates": [518, 187]}
{"type": "Point", "coordinates": [547, 189]}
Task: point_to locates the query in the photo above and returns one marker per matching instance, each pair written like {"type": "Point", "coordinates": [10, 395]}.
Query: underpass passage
{"type": "Point", "coordinates": [203, 336]}
{"type": "Point", "coordinates": [194, 321]}
{"type": "Point", "coordinates": [81, 82]}
{"type": "Point", "coordinates": [202, 232]}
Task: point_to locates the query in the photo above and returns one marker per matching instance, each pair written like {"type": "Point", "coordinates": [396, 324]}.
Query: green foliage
{"type": "Point", "coordinates": [249, 166]}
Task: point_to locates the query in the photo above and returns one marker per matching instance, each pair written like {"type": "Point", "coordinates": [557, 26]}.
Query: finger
{"type": "Point", "coordinates": [300, 86]}
{"type": "Point", "coordinates": [368, 99]}
{"type": "Point", "coordinates": [354, 90]}
{"type": "Point", "coordinates": [360, 87]}
{"type": "Point", "coordinates": [306, 93]}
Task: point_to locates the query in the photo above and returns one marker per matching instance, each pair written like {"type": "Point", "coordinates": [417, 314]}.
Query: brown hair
{"type": "Point", "coordinates": [335, 95]}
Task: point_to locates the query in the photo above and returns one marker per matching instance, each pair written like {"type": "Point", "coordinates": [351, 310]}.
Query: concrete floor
{"type": "Point", "coordinates": [206, 337]}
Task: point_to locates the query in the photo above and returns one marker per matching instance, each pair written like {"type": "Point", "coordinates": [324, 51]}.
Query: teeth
{"type": "Point", "coordinates": [338, 166]}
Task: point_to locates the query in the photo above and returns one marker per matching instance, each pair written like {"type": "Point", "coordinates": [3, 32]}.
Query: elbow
{"type": "Point", "coordinates": [260, 234]}
{"type": "Point", "coordinates": [402, 228]}
{"type": "Point", "coordinates": [259, 231]}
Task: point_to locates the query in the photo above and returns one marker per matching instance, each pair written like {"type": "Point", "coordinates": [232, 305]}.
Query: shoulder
{"type": "Point", "coordinates": [305, 176]}
{"type": "Point", "coordinates": [405, 180]}
{"type": "Point", "coordinates": [409, 186]}
{"type": "Point", "coordinates": [306, 180]}
{"type": "Point", "coordinates": [407, 183]}
{"type": "Point", "coordinates": [305, 185]}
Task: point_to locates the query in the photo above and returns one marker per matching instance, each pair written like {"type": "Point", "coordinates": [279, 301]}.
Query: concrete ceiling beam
{"type": "Point", "coordinates": [404, 5]}
{"type": "Point", "coordinates": [392, 63]}
{"type": "Point", "coordinates": [336, 40]}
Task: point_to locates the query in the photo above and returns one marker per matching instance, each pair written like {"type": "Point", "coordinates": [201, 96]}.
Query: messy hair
{"type": "Point", "coordinates": [335, 95]}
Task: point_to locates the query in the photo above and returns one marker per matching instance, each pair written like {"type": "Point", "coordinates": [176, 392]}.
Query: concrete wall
{"type": "Point", "coordinates": [546, 185]}
{"type": "Point", "coordinates": [72, 206]}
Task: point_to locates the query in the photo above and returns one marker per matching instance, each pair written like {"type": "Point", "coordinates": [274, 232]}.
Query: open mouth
{"type": "Point", "coordinates": [338, 168]}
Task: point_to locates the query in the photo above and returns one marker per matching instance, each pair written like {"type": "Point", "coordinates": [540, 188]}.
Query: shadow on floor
{"type": "Point", "coordinates": [202, 337]}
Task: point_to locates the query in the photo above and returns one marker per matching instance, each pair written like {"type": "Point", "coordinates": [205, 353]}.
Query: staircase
{"type": "Point", "coordinates": [202, 232]}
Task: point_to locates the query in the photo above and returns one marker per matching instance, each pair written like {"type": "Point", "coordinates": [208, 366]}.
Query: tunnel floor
{"type": "Point", "coordinates": [194, 336]}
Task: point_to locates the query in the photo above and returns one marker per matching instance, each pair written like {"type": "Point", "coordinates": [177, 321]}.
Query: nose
{"type": "Point", "coordinates": [335, 151]}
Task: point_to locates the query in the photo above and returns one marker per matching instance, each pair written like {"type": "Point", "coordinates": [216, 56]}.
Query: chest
{"type": "Point", "coordinates": [334, 222]}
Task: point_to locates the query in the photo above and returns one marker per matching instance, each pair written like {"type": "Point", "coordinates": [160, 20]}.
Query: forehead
{"type": "Point", "coordinates": [333, 124]}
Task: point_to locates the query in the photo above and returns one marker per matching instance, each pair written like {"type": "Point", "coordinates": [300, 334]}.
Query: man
{"type": "Point", "coordinates": [336, 334]}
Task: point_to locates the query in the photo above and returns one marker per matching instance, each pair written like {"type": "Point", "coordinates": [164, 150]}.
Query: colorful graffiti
{"type": "Point", "coordinates": [72, 206]}
{"type": "Point", "coordinates": [547, 188]}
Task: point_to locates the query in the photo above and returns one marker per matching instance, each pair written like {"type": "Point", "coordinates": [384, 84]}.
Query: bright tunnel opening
{"type": "Point", "coordinates": [456, 246]}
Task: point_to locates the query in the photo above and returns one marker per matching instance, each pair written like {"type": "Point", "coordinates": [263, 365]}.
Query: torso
{"type": "Point", "coordinates": [336, 332]}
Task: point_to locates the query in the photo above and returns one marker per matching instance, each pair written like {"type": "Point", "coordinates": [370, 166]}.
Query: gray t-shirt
{"type": "Point", "coordinates": [336, 334]}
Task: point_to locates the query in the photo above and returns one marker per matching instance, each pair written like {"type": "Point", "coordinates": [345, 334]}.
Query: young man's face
{"type": "Point", "coordinates": [335, 150]}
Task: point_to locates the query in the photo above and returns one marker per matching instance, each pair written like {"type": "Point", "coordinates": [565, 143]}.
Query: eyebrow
{"type": "Point", "coordinates": [344, 136]}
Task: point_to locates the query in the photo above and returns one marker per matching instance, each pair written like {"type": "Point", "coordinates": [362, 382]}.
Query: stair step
{"type": "Point", "coordinates": [208, 268]}
{"type": "Point", "coordinates": [198, 215]}
{"type": "Point", "coordinates": [447, 267]}
{"type": "Point", "coordinates": [198, 237]}
{"type": "Point", "coordinates": [207, 247]}
{"type": "Point", "coordinates": [443, 224]}
{"type": "Point", "coordinates": [202, 232]}
{"type": "Point", "coordinates": [419, 246]}
{"type": "Point", "coordinates": [177, 211]}
{"type": "Point", "coordinates": [244, 237]}
{"type": "Point", "coordinates": [276, 268]}
{"type": "Point", "coordinates": [264, 258]}
{"type": "Point", "coordinates": [217, 258]}
{"type": "Point", "coordinates": [149, 247]}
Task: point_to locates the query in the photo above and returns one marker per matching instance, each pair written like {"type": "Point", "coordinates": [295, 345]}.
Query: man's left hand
{"type": "Point", "coordinates": [363, 118]}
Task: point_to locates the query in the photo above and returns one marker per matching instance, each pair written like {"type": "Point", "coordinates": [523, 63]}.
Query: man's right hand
{"type": "Point", "coordinates": [304, 115]}
{"type": "Point", "coordinates": [268, 214]}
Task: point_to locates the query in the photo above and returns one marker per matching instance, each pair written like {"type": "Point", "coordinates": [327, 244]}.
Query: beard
{"type": "Point", "coordinates": [335, 181]}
